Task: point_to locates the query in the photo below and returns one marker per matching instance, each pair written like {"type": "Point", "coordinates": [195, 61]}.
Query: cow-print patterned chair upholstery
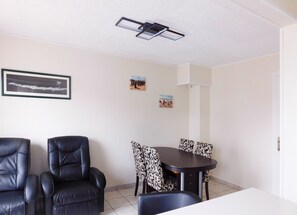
{"type": "Point", "coordinates": [205, 150]}
{"type": "Point", "coordinates": [139, 166]}
{"type": "Point", "coordinates": [186, 145]}
{"type": "Point", "coordinates": [156, 178]}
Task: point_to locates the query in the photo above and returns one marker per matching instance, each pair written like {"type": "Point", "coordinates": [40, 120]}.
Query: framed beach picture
{"type": "Point", "coordinates": [166, 101]}
{"type": "Point", "coordinates": [137, 83]}
{"type": "Point", "coordinates": [33, 84]}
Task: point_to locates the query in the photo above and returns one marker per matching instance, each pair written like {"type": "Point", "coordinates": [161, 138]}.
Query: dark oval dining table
{"type": "Point", "coordinates": [190, 167]}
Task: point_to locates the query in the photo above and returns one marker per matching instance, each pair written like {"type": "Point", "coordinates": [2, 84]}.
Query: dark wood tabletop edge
{"type": "Point", "coordinates": [179, 169]}
{"type": "Point", "coordinates": [189, 169]}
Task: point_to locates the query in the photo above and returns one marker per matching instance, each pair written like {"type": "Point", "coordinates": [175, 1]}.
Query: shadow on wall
{"type": "Point", "coordinates": [39, 161]}
{"type": "Point", "coordinates": [98, 159]}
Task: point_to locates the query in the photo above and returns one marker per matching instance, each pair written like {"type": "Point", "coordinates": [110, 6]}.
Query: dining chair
{"type": "Point", "coordinates": [186, 145]}
{"type": "Point", "coordinates": [155, 203]}
{"type": "Point", "coordinates": [205, 150]}
{"type": "Point", "coordinates": [156, 178]}
{"type": "Point", "coordinates": [139, 166]}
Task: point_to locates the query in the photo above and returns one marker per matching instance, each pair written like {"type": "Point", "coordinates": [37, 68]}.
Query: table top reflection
{"type": "Point", "coordinates": [179, 161]}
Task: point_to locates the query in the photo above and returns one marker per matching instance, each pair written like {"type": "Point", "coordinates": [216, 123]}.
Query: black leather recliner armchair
{"type": "Point", "coordinates": [155, 203]}
{"type": "Point", "coordinates": [72, 187]}
{"type": "Point", "coordinates": [18, 190]}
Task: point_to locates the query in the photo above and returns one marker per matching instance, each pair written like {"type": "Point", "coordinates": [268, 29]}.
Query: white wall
{"type": "Point", "coordinates": [199, 113]}
{"type": "Point", "coordinates": [289, 111]}
{"type": "Point", "coordinates": [102, 106]}
{"type": "Point", "coordinates": [287, 6]}
{"type": "Point", "coordinates": [194, 113]}
{"type": "Point", "coordinates": [204, 113]}
{"type": "Point", "coordinates": [241, 117]}
{"type": "Point", "coordinates": [198, 80]}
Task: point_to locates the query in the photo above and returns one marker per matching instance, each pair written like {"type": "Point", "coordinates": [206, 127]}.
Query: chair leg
{"type": "Point", "coordinates": [143, 186]}
{"type": "Point", "coordinates": [206, 190]}
{"type": "Point", "coordinates": [136, 185]}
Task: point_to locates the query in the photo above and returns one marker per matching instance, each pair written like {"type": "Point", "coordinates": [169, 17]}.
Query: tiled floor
{"type": "Point", "coordinates": [123, 201]}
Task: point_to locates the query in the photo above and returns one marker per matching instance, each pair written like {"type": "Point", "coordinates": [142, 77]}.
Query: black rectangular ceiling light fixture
{"type": "Point", "coordinates": [148, 30]}
{"type": "Point", "coordinates": [172, 35]}
{"type": "Point", "coordinates": [129, 24]}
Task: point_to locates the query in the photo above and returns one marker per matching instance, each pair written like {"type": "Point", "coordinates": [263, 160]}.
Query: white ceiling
{"type": "Point", "coordinates": [217, 31]}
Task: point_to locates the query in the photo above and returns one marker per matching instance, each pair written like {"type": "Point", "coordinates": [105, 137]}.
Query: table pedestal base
{"type": "Point", "coordinates": [190, 183]}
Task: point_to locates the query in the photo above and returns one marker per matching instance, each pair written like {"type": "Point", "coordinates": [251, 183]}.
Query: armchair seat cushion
{"type": "Point", "coordinates": [12, 202]}
{"type": "Point", "coordinates": [74, 192]}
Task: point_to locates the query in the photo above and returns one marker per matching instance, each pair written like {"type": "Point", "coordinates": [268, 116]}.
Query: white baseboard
{"type": "Point", "coordinates": [226, 183]}
{"type": "Point", "coordinates": [122, 186]}
{"type": "Point", "coordinates": [132, 185]}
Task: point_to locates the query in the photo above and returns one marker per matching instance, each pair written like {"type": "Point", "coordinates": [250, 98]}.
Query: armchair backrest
{"type": "Point", "coordinates": [159, 202]}
{"type": "Point", "coordinates": [14, 163]}
{"type": "Point", "coordinates": [69, 158]}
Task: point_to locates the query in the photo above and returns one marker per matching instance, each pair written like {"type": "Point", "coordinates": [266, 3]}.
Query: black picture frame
{"type": "Point", "coordinates": [34, 84]}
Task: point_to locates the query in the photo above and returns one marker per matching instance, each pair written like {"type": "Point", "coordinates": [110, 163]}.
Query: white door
{"type": "Point", "coordinates": [276, 145]}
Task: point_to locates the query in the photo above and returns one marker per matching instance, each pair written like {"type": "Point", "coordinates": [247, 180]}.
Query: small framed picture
{"type": "Point", "coordinates": [166, 101]}
{"type": "Point", "coordinates": [137, 83]}
{"type": "Point", "coordinates": [33, 84]}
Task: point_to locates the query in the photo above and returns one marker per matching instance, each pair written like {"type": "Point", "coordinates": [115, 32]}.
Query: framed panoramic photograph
{"type": "Point", "coordinates": [33, 84]}
{"type": "Point", "coordinates": [165, 101]}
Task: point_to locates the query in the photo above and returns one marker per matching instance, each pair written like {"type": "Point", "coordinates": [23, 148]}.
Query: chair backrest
{"type": "Point", "coordinates": [154, 171]}
{"type": "Point", "coordinates": [139, 160]}
{"type": "Point", "coordinates": [155, 203]}
{"type": "Point", "coordinates": [186, 145]}
{"type": "Point", "coordinates": [69, 158]}
{"type": "Point", "coordinates": [14, 163]}
{"type": "Point", "coordinates": [204, 149]}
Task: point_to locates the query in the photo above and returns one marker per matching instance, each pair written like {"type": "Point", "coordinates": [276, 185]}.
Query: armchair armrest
{"type": "Point", "coordinates": [31, 189]}
{"type": "Point", "coordinates": [97, 177]}
{"type": "Point", "coordinates": [47, 184]}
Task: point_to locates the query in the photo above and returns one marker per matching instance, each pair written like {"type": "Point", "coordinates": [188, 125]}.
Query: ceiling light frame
{"type": "Point", "coordinates": [147, 30]}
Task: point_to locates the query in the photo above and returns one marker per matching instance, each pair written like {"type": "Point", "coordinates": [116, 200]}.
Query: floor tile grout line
{"type": "Point", "coordinates": [109, 204]}
{"type": "Point", "coordinates": [122, 196]}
